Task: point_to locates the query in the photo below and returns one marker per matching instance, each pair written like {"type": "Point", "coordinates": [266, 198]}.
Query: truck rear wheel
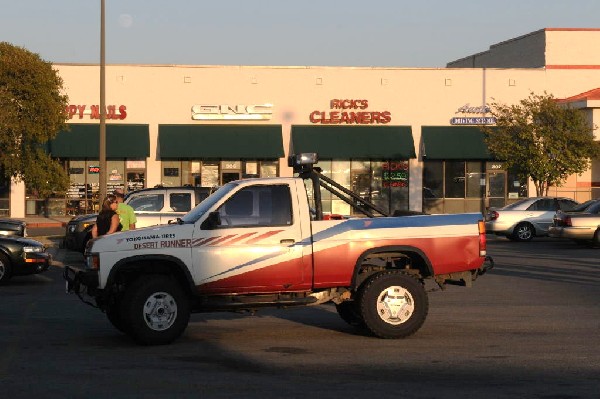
{"type": "Point", "coordinates": [155, 310]}
{"type": "Point", "coordinates": [393, 304]}
{"type": "Point", "coordinates": [348, 311]}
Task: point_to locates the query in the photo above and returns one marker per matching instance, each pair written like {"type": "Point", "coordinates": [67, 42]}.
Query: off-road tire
{"type": "Point", "coordinates": [393, 304]}
{"type": "Point", "coordinates": [349, 312]}
{"type": "Point", "coordinates": [114, 313]}
{"type": "Point", "coordinates": [155, 310]}
{"type": "Point", "coordinates": [523, 232]}
{"type": "Point", "coordinates": [5, 269]}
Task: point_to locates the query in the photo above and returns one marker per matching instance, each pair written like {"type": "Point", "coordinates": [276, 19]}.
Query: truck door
{"type": "Point", "coordinates": [258, 246]}
{"type": "Point", "coordinates": [147, 207]}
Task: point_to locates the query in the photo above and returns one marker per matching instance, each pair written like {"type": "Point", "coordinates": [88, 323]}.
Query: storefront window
{"type": "Point", "coordinates": [475, 180]}
{"type": "Point", "coordinates": [269, 169]}
{"type": "Point", "coordinates": [209, 174]}
{"type": "Point", "coordinates": [360, 178]}
{"type": "Point", "coordinates": [115, 175]}
{"type": "Point", "coordinates": [325, 195]}
{"type": "Point", "coordinates": [454, 179]}
{"type": "Point", "coordinates": [171, 173]}
{"type": "Point", "coordinates": [135, 174]}
{"type": "Point", "coordinates": [517, 188]}
{"type": "Point", "coordinates": [380, 195]}
{"type": "Point", "coordinates": [383, 183]}
{"type": "Point", "coordinates": [214, 173]}
{"type": "Point", "coordinates": [478, 184]}
{"type": "Point", "coordinates": [433, 179]}
{"type": "Point", "coordinates": [340, 173]}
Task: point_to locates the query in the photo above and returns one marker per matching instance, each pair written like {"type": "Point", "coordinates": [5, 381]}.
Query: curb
{"type": "Point", "coordinates": [45, 224]}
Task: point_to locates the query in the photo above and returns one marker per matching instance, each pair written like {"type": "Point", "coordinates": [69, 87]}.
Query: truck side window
{"type": "Point", "coordinates": [180, 202]}
{"type": "Point", "coordinates": [147, 203]}
{"type": "Point", "coordinates": [258, 206]}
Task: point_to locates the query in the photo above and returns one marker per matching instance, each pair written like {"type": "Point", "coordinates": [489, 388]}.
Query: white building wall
{"type": "Point", "coordinates": [164, 94]}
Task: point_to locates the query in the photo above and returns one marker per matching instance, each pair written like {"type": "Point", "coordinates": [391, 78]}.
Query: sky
{"type": "Point", "coordinates": [369, 33]}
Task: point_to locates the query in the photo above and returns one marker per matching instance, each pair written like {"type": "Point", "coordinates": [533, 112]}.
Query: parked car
{"type": "Point", "coordinates": [21, 256]}
{"type": "Point", "coordinates": [581, 225]}
{"type": "Point", "coordinates": [12, 227]}
{"type": "Point", "coordinates": [152, 206]}
{"type": "Point", "coordinates": [527, 218]}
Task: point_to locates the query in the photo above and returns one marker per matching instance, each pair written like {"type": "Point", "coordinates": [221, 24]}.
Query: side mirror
{"type": "Point", "coordinates": [212, 222]}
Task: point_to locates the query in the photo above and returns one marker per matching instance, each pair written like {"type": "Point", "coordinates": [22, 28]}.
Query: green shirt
{"type": "Point", "coordinates": [126, 216]}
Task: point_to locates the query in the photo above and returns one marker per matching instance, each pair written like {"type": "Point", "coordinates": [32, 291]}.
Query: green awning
{"type": "Point", "coordinates": [454, 142]}
{"type": "Point", "coordinates": [83, 141]}
{"type": "Point", "coordinates": [354, 142]}
{"type": "Point", "coordinates": [220, 141]}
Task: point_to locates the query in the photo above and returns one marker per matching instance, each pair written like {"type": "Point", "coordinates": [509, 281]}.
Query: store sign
{"type": "Point", "coordinates": [349, 112]}
{"type": "Point", "coordinates": [482, 120]}
{"type": "Point", "coordinates": [93, 111]}
{"type": "Point", "coordinates": [473, 120]}
{"type": "Point", "coordinates": [232, 112]}
{"type": "Point", "coordinates": [394, 174]}
{"type": "Point", "coordinates": [93, 170]}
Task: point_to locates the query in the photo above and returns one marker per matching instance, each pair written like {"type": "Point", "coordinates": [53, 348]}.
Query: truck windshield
{"type": "Point", "coordinates": [208, 203]}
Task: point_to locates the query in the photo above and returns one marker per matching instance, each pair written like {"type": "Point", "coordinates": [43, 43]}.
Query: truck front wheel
{"type": "Point", "coordinates": [393, 304]}
{"type": "Point", "coordinates": [155, 310]}
{"type": "Point", "coordinates": [114, 313]}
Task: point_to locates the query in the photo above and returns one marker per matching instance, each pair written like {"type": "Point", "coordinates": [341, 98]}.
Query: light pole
{"type": "Point", "coordinates": [102, 152]}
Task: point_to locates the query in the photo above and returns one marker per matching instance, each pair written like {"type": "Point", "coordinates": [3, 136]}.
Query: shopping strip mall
{"type": "Point", "coordinates": [404, 138]}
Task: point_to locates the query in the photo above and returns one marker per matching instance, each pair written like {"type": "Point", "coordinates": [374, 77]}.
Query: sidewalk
{"type": "Point", "coordinates": [40, 221]}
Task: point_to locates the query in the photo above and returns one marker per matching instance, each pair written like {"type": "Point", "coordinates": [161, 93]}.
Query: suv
{"type": "Point", "coordinates": [152, 206]}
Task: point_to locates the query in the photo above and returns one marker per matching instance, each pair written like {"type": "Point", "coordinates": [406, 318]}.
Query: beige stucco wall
{"type": "Point", "coordinates": [164, 94]}
{"type": "Point", "coordinates": [572, 47]}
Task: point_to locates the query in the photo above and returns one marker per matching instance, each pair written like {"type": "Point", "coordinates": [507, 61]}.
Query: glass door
{"type": "Point", "coordinates": [496, 188]}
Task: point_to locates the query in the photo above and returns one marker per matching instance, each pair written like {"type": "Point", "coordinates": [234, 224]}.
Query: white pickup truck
{"type": "Point", "coordinates": [263, 242]}
{"type": "Point", "coordinates": [152, 206]}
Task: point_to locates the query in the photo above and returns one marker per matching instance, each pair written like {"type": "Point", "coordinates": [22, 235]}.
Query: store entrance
{"type": "Point", "coordinates": [496, 188]}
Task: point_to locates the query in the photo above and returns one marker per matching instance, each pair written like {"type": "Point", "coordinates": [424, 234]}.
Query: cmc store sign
{"type": "Point", "coordinates": [232, 112]}
{"type": "Point", "coordinates": [473, 120]}
{"type": "Point", "coordinates": [349, 112]}
{"type": "Point", "coordinates": [93, 111]}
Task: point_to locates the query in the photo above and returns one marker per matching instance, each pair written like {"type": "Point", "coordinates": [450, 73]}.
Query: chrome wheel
{"type": "Point", "coordinates": [523, 232]}
{"type": "Point", "coordinates": [395, 305]}
{"type": "Point", "coordinates": [160, 311]}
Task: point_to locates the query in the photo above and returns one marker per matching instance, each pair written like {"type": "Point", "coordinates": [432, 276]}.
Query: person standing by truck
{"type": "Point", "coordinates": [125, 212]}
{"type": "Point", "coordinates": [107, 221]}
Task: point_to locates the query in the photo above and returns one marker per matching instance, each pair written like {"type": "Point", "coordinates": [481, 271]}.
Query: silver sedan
{"type": "Point", "coordinates": [527, 218]}
{"type": "Point", "coordinates": [581, 225]}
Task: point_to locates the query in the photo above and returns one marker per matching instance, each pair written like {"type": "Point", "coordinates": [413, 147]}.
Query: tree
{"type": "Point", "coordinates": [32, 111]}
{"type": "Point", "coordinates": [542, 139]}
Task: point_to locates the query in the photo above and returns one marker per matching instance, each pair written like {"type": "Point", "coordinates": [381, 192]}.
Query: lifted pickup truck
{"type": "Point", "coordinates": [263, 242]}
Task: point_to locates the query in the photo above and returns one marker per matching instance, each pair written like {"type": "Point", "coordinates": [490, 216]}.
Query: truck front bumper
{"type": "Point", "coordinates": [80, 281]}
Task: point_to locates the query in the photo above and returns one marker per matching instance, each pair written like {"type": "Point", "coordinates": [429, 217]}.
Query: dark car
{"type": "Point", "coordinates": [21, 256]}
{"type": "Point", "coordinates": [11, 227]}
